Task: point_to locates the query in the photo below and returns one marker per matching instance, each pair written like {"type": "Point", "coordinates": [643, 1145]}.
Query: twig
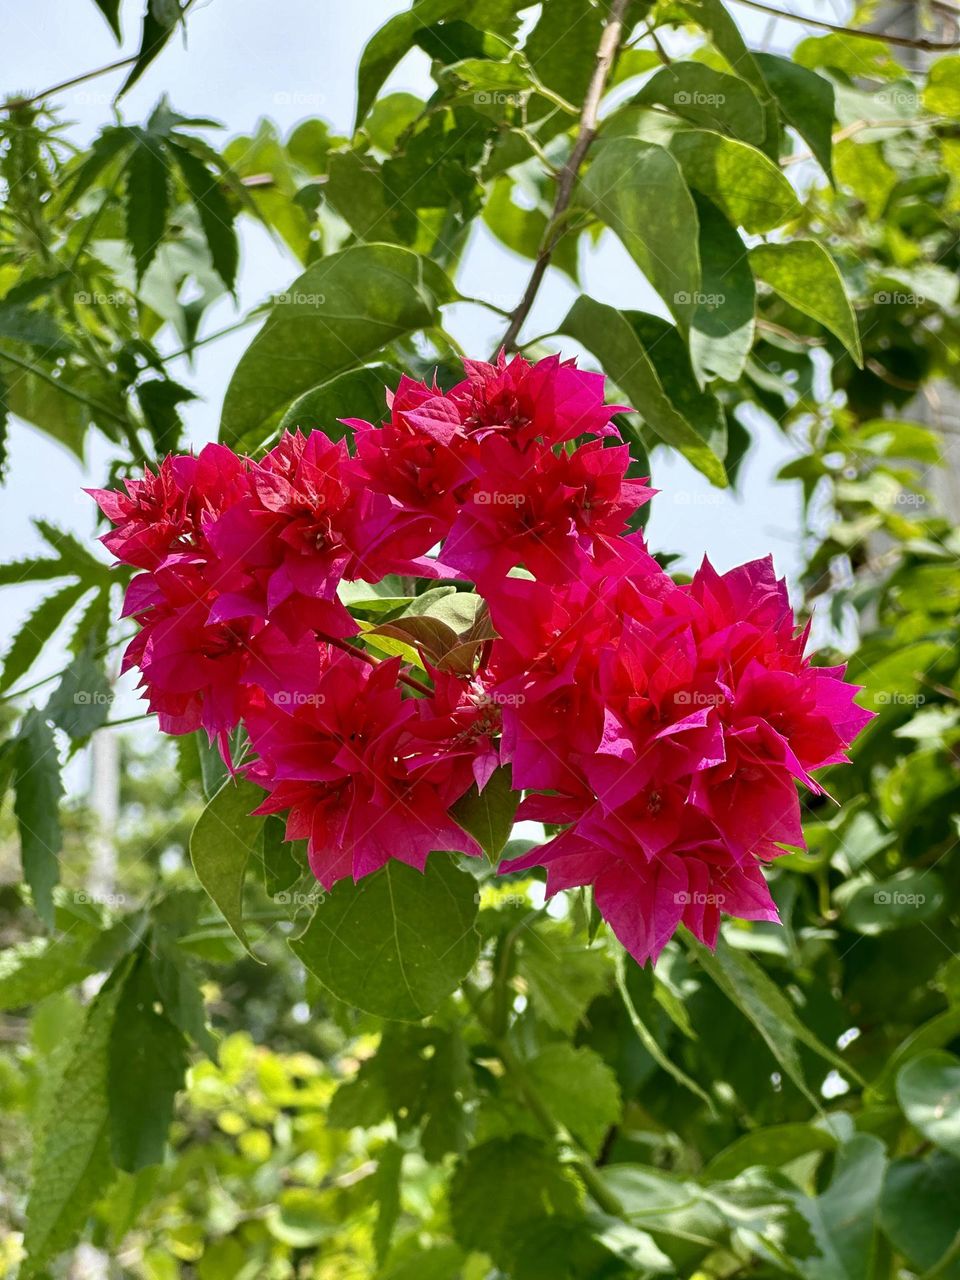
{"type": "Point", "coordinates": [410, 681]}
{"type": "Point", "coordinates": [606, 52]}
{"type": "Point", "coordinates": [905, 42]}
{"type": "Point", "coordinates": [16, 104]}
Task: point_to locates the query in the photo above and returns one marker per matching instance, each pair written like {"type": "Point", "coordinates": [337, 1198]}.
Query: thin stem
{"type": "Point", "coordinates": [606, 52]}
{"type": "Point", "coordinates": [214, 337]}
{"type": "Point", "coordinates": [411, 681]}
{"type": "Point", "coordinates": [65, 388]}
{"type": "Point", "coordinates": [886, 37]}
{"type": "Point", "coordinates": [15, 104]}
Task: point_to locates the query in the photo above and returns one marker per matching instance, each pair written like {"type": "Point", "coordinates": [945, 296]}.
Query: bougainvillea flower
{"type": "Point", "coordinates": [662, 730]}
{"type": "Point", "coordinates": [337, 763]}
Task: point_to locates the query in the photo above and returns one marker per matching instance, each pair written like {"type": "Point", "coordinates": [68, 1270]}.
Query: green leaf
{"type": "Point", "coordinates": [34, 969]}
{"type": "Point", "coordinates": [216, 215]}
{"type": "Point", "coordinates": [770, 1146]}
{"type": "Point", "coordinates": [579, 1090]}
{"type": "Point", "coordinates": [341, 311]}
{"type": "Point", "coordinates": [562, 977]}
{"type": "Point", "coordinates": [359, 393]}
{"type": "Point", "coordinates": [397, 943]}
{"type": "Point", "coordinates": [637, 189]}
{"type": "Point", "coordinates": [666, 393]}
{"type": "Point", "coordinates": [901, 902]}
{"type": "Point", "coordinates": [676, 1213]}
{"type": "Point", "coordinates": [159, 398]}
{"type": "Point", "coordinates": [147, 199]}
{"type": "Point", "coordinates": [111, 11]}
{"type": "Point", "coordinates": [722, 330]}
{"type": "Point", "coordinates": [941, 96]}
{"type": "Point", "coordinates": [72, 1165]}
{"type": "Point", "coordinates": [147, 1061]}
{"type": "Point", "coordinates": [36, 631]}
{"type": "Point", "coordinates": [387, 1178]}
{"type": "Point", "coordinates": [843, 1218]}
{"type": "Point", "coordinates": [928, 1090]}
{"type": "Point", "coordinates": [500, 1188]}
{"type": "Point", "coordinates": [742, 181]}
{"type": "Point", "coordinates": [920, 1209]}
{"type": "Point", "coordinates": [804, 274]}
{"type": "Point", "coordinates": [709, 98]}
{"type": "Point", "coordinates": [81, 702]}
{"type": "Point", "coordinates": [807, 102]}
{"type": "Point", "coordinates": [37, 792]}
{"type": "Point", "coordinates": [488, 814]}
{"type": "Point", "coordinates": [160, 18]}
{"type": "Point", "coordinates": [221, 844]}
{"type": "Point", "coordinates": [758, 998]}
{"type": "Point", "coordinates": [724, 35]}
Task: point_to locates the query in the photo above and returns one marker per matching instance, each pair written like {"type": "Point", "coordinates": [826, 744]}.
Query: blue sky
{"type": "Point", "coordinates": [246, 59]}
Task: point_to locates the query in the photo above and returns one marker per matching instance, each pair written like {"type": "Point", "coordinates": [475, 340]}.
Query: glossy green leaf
{"type": "Point", "coordinates": [334, 317]}
{"type": "Point", "coordinates": [920, 1209]}
{"type": "Point", "coordinates": [222, 843]}
{"type": "Point", "coordinates": [928, 1090]}
{"type": "Point", "coordinates": [647, 359]}
{"type": "Point", "coordinates": [708, 98]}
{"type": "Point", "coordinates": [807, 102]}
{"type": "Point", "coordinates": [723, 326]}
{"type": "Point", "coordinates": [360, 393]}
{"type": "Point", "coordinates": [804, 274]}
{"type": "Point", "coordinates": [488, 814]}
{"type": "Point", "coordinates": [637, 189]}
{"type": "Point", "coordinates": [398, 942]}
{"type": "Point", "coordinates": [743, 182]}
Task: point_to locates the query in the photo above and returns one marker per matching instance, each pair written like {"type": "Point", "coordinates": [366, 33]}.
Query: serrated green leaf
{"type": "Point", "coordinates": [34, 969]}
{"type": "Point", "coordinates": [72, 1164]}
{"type": "Point", "coordinates": [81, 702]}
{"type": "Point", "coordinates": [37, 792]}
{"type": "Point", "coordinates": [36, 631]}
{"type": "Point", "coordinates": [146, 1065]}
{"type": "Point", "coordinates": [805, 275]}
{"type": "Point", "coordinates": [397, 943]}
{"type": "Point", "coordinates": [500, 1187]}
{"type": "Point", "coordinates": [216, 214]}
{"type": "Point", "coordinates": [579, 1089]}
{"type": "Point", "coordinates": [147, 201]}
{"type": "Point", "coordinates": [111, 11]}
{"type": "Point", "coordinates": [160, 18]}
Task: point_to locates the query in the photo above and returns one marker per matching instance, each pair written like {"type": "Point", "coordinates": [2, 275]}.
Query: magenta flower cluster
{"type": "Point", "coordinates": [660, 729]}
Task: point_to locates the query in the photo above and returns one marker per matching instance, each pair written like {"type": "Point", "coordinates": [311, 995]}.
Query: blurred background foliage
{"type": "Point", "coordinates": [173, 1106]}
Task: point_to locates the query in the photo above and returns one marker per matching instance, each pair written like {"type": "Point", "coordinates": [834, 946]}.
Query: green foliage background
{"type": "Point", "coordinates": [202, 1084]}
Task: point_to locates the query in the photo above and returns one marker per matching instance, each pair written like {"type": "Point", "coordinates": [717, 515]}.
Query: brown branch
{"type": "Point", "coordinates": [606, 52]}
{"type": "Point", "coordinates": [905, 42]}
{"type": "Point", "coordinates": [410, 681]}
